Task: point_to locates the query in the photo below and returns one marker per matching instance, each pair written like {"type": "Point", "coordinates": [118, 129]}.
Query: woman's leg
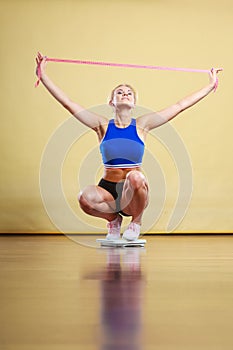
{"type": "Point", "coordinates": [134, 201]}
{"type": "Point", "coordinates": [135, 195]}
{"type": "Point", "coordinates": [96, 201]}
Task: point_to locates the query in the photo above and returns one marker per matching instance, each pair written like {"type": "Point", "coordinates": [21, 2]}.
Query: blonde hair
{"type": "Point", "coordinates": [128, 86]}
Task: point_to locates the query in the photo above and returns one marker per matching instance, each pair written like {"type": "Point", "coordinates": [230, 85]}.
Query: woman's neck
{"type": "Point", "coordinates": [123, 117]}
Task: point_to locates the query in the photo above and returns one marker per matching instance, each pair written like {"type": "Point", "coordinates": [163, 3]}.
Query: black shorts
{"type": "Point", "coordinates": [115, 188]}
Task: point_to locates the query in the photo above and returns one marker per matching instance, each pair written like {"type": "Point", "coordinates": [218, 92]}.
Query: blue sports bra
{"type": "Point", "coordinates": [122, 147]}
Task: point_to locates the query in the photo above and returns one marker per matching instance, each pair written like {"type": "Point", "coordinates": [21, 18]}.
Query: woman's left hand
{"type": "Point", "coordinates": [213, 76]}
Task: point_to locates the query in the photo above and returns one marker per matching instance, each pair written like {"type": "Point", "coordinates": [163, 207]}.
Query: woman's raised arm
{"type": "Point", "coordinates": [155, 119]}
{"type": "Point", "coordinates": [88, 118]}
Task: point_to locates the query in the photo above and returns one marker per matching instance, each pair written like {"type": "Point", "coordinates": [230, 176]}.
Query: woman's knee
{"type": "Point", "coordinates": [86, 197]}
{"type": "Point", "coordinates": [136, 179]}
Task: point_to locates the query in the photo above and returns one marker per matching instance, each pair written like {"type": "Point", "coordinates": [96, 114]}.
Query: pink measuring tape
{"type": "Point", "coordinates": [124, 65]}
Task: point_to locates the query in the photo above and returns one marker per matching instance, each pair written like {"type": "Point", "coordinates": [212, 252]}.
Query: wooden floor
{"type": "Point", "coordinates": [174, 294]}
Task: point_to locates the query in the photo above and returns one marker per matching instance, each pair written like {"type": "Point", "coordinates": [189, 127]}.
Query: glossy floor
{"type": "Point", "coordinates": [176, 293]}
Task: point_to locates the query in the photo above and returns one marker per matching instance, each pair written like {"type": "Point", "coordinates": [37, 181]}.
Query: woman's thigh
{"type": "Point", "coordinates": [97, 195]}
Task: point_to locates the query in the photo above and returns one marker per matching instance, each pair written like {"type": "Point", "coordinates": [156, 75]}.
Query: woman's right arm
{"type": "Point", "coordinates": [88, 118]}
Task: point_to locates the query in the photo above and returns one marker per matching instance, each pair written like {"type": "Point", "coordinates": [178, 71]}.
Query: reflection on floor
{"type": "Point", "coordinates": [121, 298]}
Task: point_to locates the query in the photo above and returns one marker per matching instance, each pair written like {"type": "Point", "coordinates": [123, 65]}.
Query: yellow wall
{"type": "Point", "coordinates": [178, 33]}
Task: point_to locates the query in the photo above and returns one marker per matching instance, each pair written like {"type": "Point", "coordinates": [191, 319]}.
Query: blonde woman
{"type": "Point", "coordinates": [123, 189]}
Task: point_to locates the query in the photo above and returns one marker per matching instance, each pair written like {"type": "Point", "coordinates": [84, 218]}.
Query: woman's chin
{"type": "Point", "coordinates": [125, 104]}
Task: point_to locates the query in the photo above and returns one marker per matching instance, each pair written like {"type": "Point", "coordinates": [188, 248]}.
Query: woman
{"type": "Point", "coordinates": [123, 190]}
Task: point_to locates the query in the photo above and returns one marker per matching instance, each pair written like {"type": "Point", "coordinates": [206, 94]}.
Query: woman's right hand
{"type": "Point", "coordinates": [41, 63]}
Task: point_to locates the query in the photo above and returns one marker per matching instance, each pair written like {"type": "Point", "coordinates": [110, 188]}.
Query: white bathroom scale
{"type": "Point", "coordinates": [121, 242]}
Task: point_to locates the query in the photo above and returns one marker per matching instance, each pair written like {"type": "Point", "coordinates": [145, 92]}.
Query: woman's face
{"type": "Point", "coordinates": [123, 96]}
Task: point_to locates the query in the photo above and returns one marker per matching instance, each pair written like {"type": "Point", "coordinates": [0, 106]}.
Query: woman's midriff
{"type": "Point", "coordinates": [116, 175]}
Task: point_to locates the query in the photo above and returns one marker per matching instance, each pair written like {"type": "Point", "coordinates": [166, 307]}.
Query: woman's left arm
{"type": "Point", "coordinates": [153, 120]}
